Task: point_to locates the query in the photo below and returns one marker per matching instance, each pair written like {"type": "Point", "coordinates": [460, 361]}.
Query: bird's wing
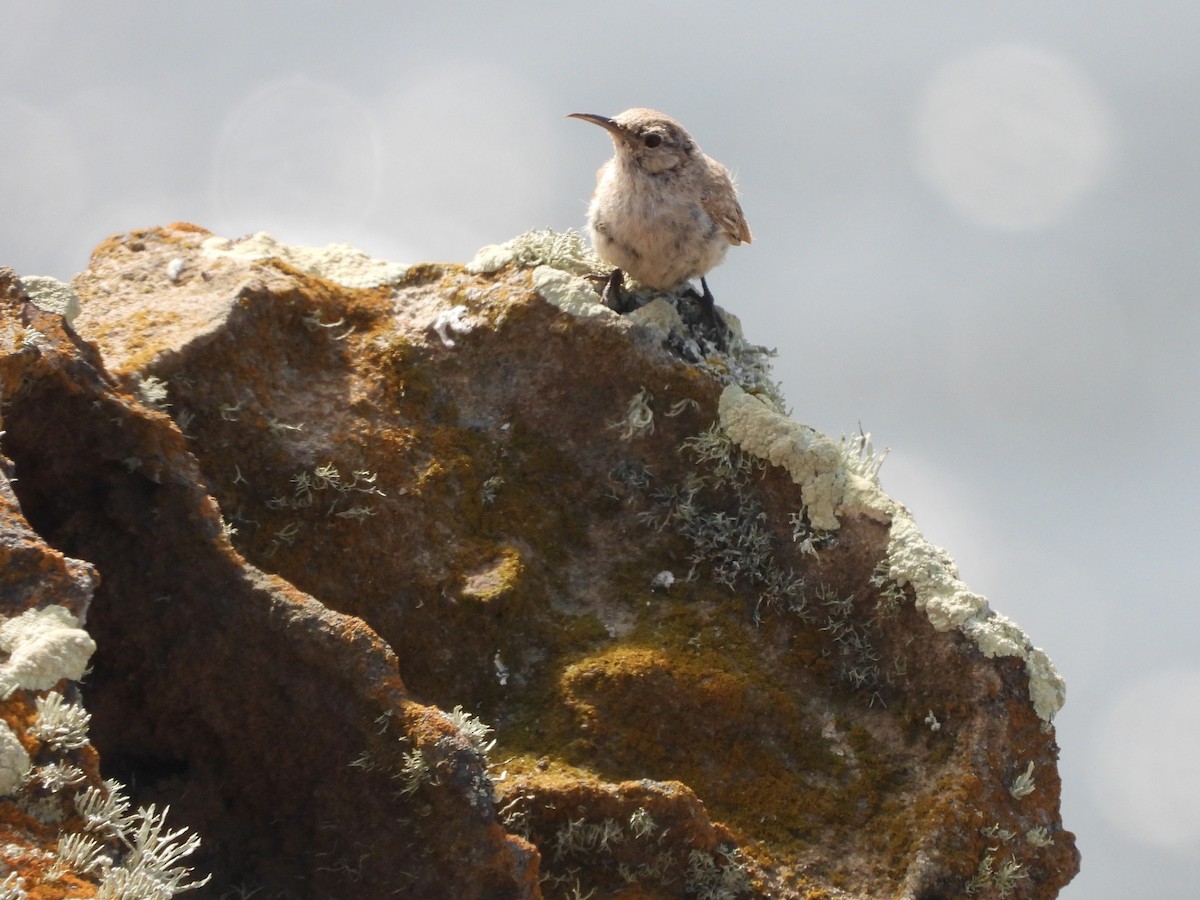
{"type": "Point", "coordinates": [720, 202]}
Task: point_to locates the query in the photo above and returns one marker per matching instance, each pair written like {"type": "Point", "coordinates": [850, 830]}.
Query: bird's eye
{"type": "Point", "coordinates": [652, 140]}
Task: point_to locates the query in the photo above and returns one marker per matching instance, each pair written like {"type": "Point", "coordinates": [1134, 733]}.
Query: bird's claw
{"type": "Point", "coordinates": [615, 297]}
{"type": "Point", "coordinates": [710, 317]}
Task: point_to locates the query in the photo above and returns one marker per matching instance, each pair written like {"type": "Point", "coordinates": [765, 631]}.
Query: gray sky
{"type": "Point", "coordinates": [976, 233]}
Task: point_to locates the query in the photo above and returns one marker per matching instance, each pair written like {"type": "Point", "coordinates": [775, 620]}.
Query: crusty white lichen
{"type": "Point", "coordinates": [814, 461]}
{"type": "Point", "coordinates": [1047, 689]}
{"type": "Point", "coordinates": [568, 292]}
{"type": "Point", "coordinates": [44, 647]}
{"type": "Point", "coordinates": [491, 258]}
{"type": "Point", "coordinates": [829, 490]}
{"type": "Point", "coordinates": [933, 575]}
{"type": "Point", "coordinates": [563, 250]}
{"type": "Point", "coordinates": [339, 263]}
{"type": "Point", "coordinates": [559, 260]}
{"type": "Point", "coordinates": [949, 603]}
{"type": "Point", "coordinates": [14, 761]}
{"type": "Point", "coordinates": [660, 319]}
{"type": "Point", "coordinates": [52, 295]}
{"type": "Point", "coordinates": [453, 320]}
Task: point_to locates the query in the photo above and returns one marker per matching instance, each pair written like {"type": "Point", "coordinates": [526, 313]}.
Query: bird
{"type": "Point", "coordinates": [663, 212]}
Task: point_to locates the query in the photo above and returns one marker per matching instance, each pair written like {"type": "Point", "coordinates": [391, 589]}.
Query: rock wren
{"type": "Point", "coordinates": [663, 212]}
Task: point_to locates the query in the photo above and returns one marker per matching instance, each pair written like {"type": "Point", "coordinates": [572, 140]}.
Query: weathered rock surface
{"type": "Point", "coordinates": [307, 516]}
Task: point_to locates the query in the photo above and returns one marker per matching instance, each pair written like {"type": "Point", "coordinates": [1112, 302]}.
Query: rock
{"type": "Point", "coordinates": [344, 513]}
{"type": "Point", "coordinates": [275, 727]}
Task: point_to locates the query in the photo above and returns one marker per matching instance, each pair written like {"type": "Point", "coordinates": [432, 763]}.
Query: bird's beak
{"type": "Point", "coordinates": [609, 125]}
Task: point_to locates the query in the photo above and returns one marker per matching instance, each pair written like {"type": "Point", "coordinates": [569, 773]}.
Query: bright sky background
{"type": "Point", "coordinates": [977, 234]}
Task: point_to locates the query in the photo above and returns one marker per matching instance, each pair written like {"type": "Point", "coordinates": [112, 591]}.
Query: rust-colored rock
{"type": "Point", "coordinates": [273, 726]}
{"type": "Point", "coordinates": [467, 485]}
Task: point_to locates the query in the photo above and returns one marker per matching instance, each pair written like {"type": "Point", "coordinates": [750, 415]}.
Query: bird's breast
{"type": "Point", "coordinates": [653, 227]}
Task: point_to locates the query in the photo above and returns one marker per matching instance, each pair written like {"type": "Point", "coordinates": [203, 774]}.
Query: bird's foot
{"type": "Point", "coordinates": [615, 297]}
{"type": "Point", "coordinates": [711, 318]}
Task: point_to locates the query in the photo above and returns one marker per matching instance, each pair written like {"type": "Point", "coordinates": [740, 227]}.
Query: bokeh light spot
{"type": "Point", "coordinates": [1013, 136]}
{"type": "Point", "coordinates": [294, 155]}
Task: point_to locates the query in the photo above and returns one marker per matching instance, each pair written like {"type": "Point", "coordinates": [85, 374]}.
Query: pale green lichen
{"type": "Point", "coordinates": [151, 865]}
{"type": "Point", "coordinates": [1023, 785]}
{"type": "Point", "coordinates": [736, 548]}
{"type": "Point", "coordinates": [58, 775]}
{"type": "Point", "coordinates": [414, 772]}
{"type": "Point", "coordinates": [642, 824]}
{"type": "Point", "coordinates": [135, 855]}
{"type": "Point", "coordinates": [473, 729]}
{"type": "Point", "coordinates": [639, 417]}
{"type": "Point", "coordinates": [454, 320]}
{"type": "Point", "coordinates": [103, 810]}
{"type": "Point", "coordinates": [152, 391]}
{"type": "Point", "coordinates": [1039, 837]}
{"type": "Point", "coordinates": [339, 263]}
{"type": "Point", "coordinates": [12, 887]}
{"type": "Point", "coordinates": [62, 725]}
{"type": "Point", "coordinates": [710, 878]}
{"type": "Point", "coordinates": [79, 853]}
{"type": "Point", "coordinates": [860, 456]}
{"type": "Point", "coordinates": [1007, 876]}
{"type": "Point", "coordinates": [336, 488]}
{"type": "Point", "coordinates": [997, 832]}
{"type": "Point", "coordinates": [982, 877]}
{"type": "Point", "coordinates": [722, 875]}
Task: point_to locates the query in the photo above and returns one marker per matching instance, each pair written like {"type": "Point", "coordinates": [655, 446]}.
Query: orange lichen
{"type": "Point", "coordinates": [493, 578]}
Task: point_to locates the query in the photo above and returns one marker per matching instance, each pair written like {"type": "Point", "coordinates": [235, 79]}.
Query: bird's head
{"type": "Point", "coordinates": [650, 140]}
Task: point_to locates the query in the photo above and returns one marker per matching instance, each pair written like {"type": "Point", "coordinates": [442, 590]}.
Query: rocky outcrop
{"type": "Point", "coordinates": [324, 517]}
